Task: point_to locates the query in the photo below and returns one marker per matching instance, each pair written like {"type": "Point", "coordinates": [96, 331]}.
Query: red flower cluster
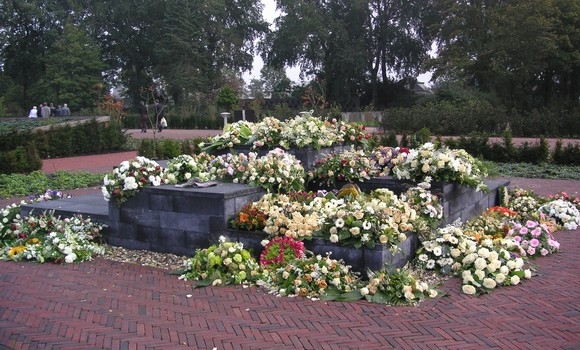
{"type": "Point", "coordinates": [280, 250]}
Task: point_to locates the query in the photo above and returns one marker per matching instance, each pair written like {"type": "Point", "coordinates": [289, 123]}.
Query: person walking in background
{"type": "Point", "coordinates": [159, 114]}
{"type": "Point", "coordinates": [65, 111]}
{"type": "Point", "coordinates": [45, 110]}
{"type": "Point", "coordinates": [143, 116]}
{"type": "Point", "coordinates": [33, 112]}
{"type": "Point", "coordinates": [53, 112]}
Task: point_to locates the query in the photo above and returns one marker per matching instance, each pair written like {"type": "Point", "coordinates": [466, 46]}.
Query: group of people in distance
{"type": "Point", "coordinates": [45, 110]}
{"type": "Point", "coordinates": [144, 116]}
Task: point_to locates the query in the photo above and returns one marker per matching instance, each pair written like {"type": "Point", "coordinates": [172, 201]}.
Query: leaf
{"type": "Point", "coordinates": [333, 294]}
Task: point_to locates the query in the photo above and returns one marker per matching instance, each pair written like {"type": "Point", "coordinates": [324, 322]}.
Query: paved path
{"type": "Point", "coordinates": [111, 305]}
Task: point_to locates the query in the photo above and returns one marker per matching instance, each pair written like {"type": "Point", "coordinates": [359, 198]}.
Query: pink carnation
{"type": "Point", "coordinates": [531, 224]}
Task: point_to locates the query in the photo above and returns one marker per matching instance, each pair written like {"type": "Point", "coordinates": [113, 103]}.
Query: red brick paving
{"type": "Point", "coordinates": [110, 305]}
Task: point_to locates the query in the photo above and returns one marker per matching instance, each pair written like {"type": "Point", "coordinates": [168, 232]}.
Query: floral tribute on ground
{"type": "Point", "coordinates": [46, 237]}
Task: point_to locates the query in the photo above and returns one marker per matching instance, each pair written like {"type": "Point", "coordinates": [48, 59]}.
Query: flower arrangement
{"type": "Point", "coordinates": [9, 219]}
{"type": "Point", "coordinates": [49, 195]}
{"type": "Point", "coordinates": [281, 250]}
{"type": "Point", "coordinates": [184, 167]}
{"type": "Point", "coordinates": [231, 167]}
{"type": "Point", "coordinates": [575, 200]}
{"type": "Point", "coordinates": [383, 157]}
{"type": "Point", "coordinates": [221, 264]}
{"type": "Point", "coordinates": [365, 221]}
{"type": "Point", "coordinates": [250, 218]}
{"type": "Point", "coordinates": [129, 177]}
{"type": "Point", "coordinates": [351, 133]}
{"type": "Point", "coordinates": [290, 217]}
{"type": "Point", "coordinates": [347, 166]}
{"type": "Point", "coordinates": [307, 131]}
{"type": "Point", "coordinates": [396, 287]}
{"type": "Point", "coordinates": [49, 238]}
{"type": "Point", "coordinates": [491, 266]}
{"type": "Point", "coordinates": [493, 223]}
{"type": "Point", "coordinates": [526, 206]}
{"type": "Point", "coordinates": [534, 238]}
{"type": "Point", "coordinates": [277, 171]}
{"type": "Point", "coordinates": [266, 133]}
{"type": "Point", "coordinates": [234, 134]}
{"type": "Point", "coordinates": [430, 163]}
{"type": "Point", "coordinates": [445, 247]}
{"type": "Point", "coordinates": [564, 212]}
{"type": "Point", "coordinates": [426, 204]}
{"type": "Point", "coordinates": [313, 276]}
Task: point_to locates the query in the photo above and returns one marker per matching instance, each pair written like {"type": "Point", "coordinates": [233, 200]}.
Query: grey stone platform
{"type": "Point", "coordinates": [92, 205]}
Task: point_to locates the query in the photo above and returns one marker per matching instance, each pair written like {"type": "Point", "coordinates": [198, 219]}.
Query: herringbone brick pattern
{"type": "Point", "coordinates": [109, 305]}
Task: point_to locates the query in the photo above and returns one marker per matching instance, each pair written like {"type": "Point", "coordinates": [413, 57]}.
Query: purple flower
{"type": "Point", "coordinates": [534, 243]}
{"type": "Point", "coordinates": [544, 252]}
{"type": "Point", "coordinates": [524, 230]}
{"type": "Point", "coordinates": [531, 250]}
{"type": "Point", "coordinates": [536, 232]}
{"type": "Point", "coordinates": [517, 239]}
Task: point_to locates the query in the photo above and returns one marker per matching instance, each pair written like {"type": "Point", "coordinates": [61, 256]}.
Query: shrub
{"type": "Point", "coordinates": [21, 160]}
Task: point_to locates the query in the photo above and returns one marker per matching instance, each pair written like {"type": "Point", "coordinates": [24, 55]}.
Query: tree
{"type": "Point", "coordinates": [350, 44]}
{"type": "Point", "coordinates": [398, 41]}
{"type": "Point", "coordinates": [525, 52]}
{"type": "Point", "coordinates": [129, 37]}
{"type": "Point", "coordinates": [28, 29]}
{"type": "Point", "coordinates": [227, 98]}
{"type": "Point", "coordinates": [73, 69]}
{"type": "Point", "coordinates": [276, 83]}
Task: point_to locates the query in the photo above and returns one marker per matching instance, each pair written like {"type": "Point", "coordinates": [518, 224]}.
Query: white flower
{"type": "Point", "coordinates": [489, 283]}
{"type": "Point", "coordinates": [480, 263]}
{"type": "Point", "coordinates": [334, 238]}
{"type": "Point", "coordinates": [468, 289]}
{"type": "Point", "coordinates": [364, 291]}
{"type": "Point", "coordinates": [130, 184]}
{"type": "Point", "coordinates": [515, 279]}
{"type": "Point", "coordinates": [437, 251]}
{"type": "Point", "coordinates": [483, 252]}
{"type": "Point", "coordinates": [455, 252]}
{"type": "Point", "coordinates": [70, 258]}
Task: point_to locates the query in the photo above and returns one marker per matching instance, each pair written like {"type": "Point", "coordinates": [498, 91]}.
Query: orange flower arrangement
{"type": "Point", "coordinates": [250, 218]}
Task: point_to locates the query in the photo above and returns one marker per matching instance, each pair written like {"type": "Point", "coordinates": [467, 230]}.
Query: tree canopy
{"type": "Point", "coordinates": [524, 53]}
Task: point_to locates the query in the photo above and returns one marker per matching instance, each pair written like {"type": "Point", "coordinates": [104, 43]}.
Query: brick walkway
{"type": "Point", "coordinates": [110, 305]}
